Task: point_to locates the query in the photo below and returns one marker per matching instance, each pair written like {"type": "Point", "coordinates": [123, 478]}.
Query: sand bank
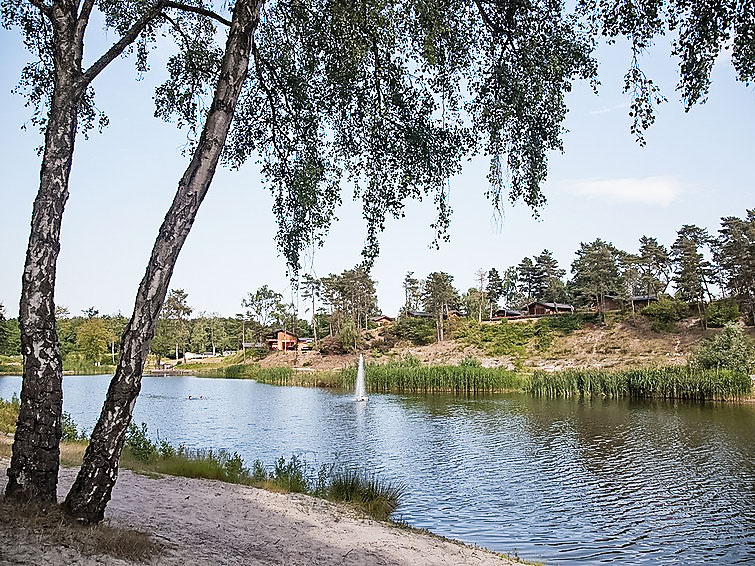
{"type": "Point", "coordinates": [209, 522]}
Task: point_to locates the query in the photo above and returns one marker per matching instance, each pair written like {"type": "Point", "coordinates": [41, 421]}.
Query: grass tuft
{"type": "Point", "coordinates": [48, 525]}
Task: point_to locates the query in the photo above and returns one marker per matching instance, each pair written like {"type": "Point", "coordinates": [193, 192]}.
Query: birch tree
{"type": "Point", "coordinates": [58, 87]}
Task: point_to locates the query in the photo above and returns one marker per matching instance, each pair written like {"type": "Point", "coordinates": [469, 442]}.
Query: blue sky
{"type": "Point", "coordinates": [696, 167]}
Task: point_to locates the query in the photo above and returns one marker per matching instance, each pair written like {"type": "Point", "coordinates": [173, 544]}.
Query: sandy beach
{"type": "Point", "coordinates": [210, 522]}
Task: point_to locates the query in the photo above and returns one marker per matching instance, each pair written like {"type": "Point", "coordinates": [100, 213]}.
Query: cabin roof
{"type": "Point", "coordinates": [552, 305]}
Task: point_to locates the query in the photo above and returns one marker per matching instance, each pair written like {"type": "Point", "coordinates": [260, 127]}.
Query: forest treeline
{"type": "Point", "coordinates": [708, 275]}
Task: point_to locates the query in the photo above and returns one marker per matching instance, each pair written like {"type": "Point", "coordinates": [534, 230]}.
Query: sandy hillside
{"type": "Point", "coordinates": [617, 345]}
{"type": "Point", "coordinates": [207, 522]}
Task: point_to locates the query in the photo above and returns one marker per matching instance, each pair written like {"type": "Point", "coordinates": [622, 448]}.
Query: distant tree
{"type": "Point", "coordinates": [654, 265]}
{"type": "Point", "coordinates": [91, 312]}
{"type": "Point", "coordinates": [528, 279]}
{"type": "Point", "coordinates": [175, 312]}
{"type": "Point", "coordinates": [481, 276]}
{"type": "Point", "coordinates": [630, 278]}
{"type": "Point", "coordinates": [734, 253]}
{"type": "Point", "coordinates": [351, 295]}
{"type": "Point", "coordinates": [438, 297]}
{"type": "Point", "coordinates": [596, 271]}
{"type": "Point", "coordinates": [92, 339]}
{"type": "Point", "coordinates": [263, 307]}
{"type": "Point", "coordinates": [494, 290]}
{"type": "Point", "coordinates": [4, 331]}
{"type": "Point", "coordinates": [312, 289]}
{"type": "Point", "coordinates": [115, 324]}
{"type": "Point", "coordinates": [548, 278]}
{"type": "Point", "coordinates": [510, 294]}
{"type": "Point", "coordinates": [412, 292]}
{"type": "Point", "coordinates": [10, 343]}
{"type": "Point", "coordinates": [692, 272]}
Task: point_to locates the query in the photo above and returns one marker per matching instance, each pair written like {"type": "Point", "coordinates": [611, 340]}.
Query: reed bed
{"type": "Point", "coordinates": [461, 379]}
{"type": "Point", "coordinates": [679, 382]}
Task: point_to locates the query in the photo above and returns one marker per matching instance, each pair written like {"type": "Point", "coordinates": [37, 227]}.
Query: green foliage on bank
{"type": "Point", "coordinates": [409, 375]}
{"type": "Point", "coordinates": [366, 492]}
{"type": "Point", "coordinates": [665, 313]}
{"type": "Point", "coordinates": [9, 414]}
{"type": "Point", "coordinates": [506, 338]}
{"type": "Point", "coordinates": [681, 382]}
{"type": "Point", "coordinates": [730, 350]}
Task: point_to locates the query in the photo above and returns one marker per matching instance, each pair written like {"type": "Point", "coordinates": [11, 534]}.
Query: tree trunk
{"type": "Point", "coordinates": [33, 470]}
{"type": "Point", "coordinates": [93, 486]}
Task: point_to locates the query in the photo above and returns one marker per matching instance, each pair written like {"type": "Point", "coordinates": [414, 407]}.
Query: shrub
{"type": "Point", "coordinates": [9, 414]}
{"type": "Point", "coordinates": [140, 446]}
{"type": "Point", "coordinates": [70, 432]}
{"type": "Point", "coordinates": [665, 313]}
{"type": "Point", "coordinates": [291, 475]}
{"type": "Point", "coordinates": [331, 345]}
{"type": "Point", "coordinates": [418, 331]}
{"type": "Point", "coordinates": [719, 313]}
{"type": "Point", "coordinates": [731, 350]}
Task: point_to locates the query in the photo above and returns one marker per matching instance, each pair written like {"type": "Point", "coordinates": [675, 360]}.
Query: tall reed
{"type": "Point", "coordinates": [462, 379]}
{"type": "Point", "coordinates": [674, 382]}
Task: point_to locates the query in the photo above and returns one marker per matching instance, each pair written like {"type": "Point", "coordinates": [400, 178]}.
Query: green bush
{"type": "Point", "coordinates": [665, 313]}
{"type": "Point", "coordinates": [69, 431]}
{"type": "Point", "coordinates": [138, 444]}
{"type": "Point", "coordinates": [9, 414]}
{"type": "Point", "coordinates": [731, 349]}
{"type": "Point", "coordinates": [719, 313]}
{"type": "Point", "coordinates": [418, 331]}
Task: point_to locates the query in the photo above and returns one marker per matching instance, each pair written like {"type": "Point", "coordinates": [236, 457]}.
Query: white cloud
{"type": "Point", "coordinates": [607, 109]}
{"type": "Point", "coordinates": [659, 191]}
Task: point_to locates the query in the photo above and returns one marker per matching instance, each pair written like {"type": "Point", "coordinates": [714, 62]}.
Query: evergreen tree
{"type": "Point", "coordinates": [654, 265]}
{"type": "Point", "coordinates": [527, 278]}
{"type": "Point", "coordinates": [596, 271]}
{"type": "Point", "coordinates": [412, 293]}
{"type": "Point", "coordinates": [692, 272]}
{"type": "Point", "coordinates": [438, 297]}
{"type": "Point", "coordinates": [734, 253]}
{"type": "Point", "coordinates": [494, 289]}
{"type": "Point", "coordinates": [549, 278]}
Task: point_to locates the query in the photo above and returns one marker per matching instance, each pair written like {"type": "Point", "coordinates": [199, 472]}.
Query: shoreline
{"type": "Point", "coordinates": [212, 522]}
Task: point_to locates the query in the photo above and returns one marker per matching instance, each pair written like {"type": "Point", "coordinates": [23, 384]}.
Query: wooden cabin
{"type": "Point", "coordinates": [281, 340]}
{"type": "Point", "coordinates": [506, 313]}
{"type": "Point", "coordinates": [538, 308]}
{"type": "Point", "coordinates": [382, 320]}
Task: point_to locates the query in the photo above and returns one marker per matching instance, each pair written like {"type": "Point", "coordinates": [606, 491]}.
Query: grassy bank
{"type": "Point", "coordinates": [409, 375]}
{"type": "Point", "coordinates": [365, 492]}
{"type": "Point", "coordinates": [674, 382]}
{"type": "Point", "coordinates": [274, 376]}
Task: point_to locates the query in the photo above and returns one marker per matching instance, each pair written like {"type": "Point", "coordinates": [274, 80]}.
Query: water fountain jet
{"type": "Point", "coordinates": [360, 389]}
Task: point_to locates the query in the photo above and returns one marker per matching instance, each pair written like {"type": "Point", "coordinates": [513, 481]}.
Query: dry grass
{"type": "Point", "coordinates": [72, 453]}
{"type": "Point", "coordinates": [45, 525]}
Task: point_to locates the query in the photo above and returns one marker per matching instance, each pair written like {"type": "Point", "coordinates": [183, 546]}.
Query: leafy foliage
{"type": "Point", "coordinates": [665, 313]}
{"type": "Point", "coordinates": [720, 313]}
{"type": "Point", "coordinates": [418, 331]}
{"type": "Point", "coordinates": [9, 414]}
{"type": "Point", "coordinates": [731, 350]}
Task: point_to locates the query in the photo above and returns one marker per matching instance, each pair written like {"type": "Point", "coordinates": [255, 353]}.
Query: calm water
{"type": "Point", "coordinates": [560, 481]}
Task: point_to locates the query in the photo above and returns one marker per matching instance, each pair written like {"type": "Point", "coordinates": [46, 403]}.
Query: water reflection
{"type": "Point", "coordinates": [563, 481]}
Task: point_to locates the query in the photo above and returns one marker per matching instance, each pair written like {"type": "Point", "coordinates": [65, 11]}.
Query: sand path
{"type": "Point", "coordinates": [209, 522]}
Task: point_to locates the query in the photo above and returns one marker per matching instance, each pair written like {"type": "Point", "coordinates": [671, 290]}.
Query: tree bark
{"type": "Point", "coordinates": [33, 470]}
{"type": "Point", "coordinates": [92, 489]}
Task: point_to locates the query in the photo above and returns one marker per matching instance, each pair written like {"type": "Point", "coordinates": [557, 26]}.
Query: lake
{"type": "Point", "coordinates": [559, 481]}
